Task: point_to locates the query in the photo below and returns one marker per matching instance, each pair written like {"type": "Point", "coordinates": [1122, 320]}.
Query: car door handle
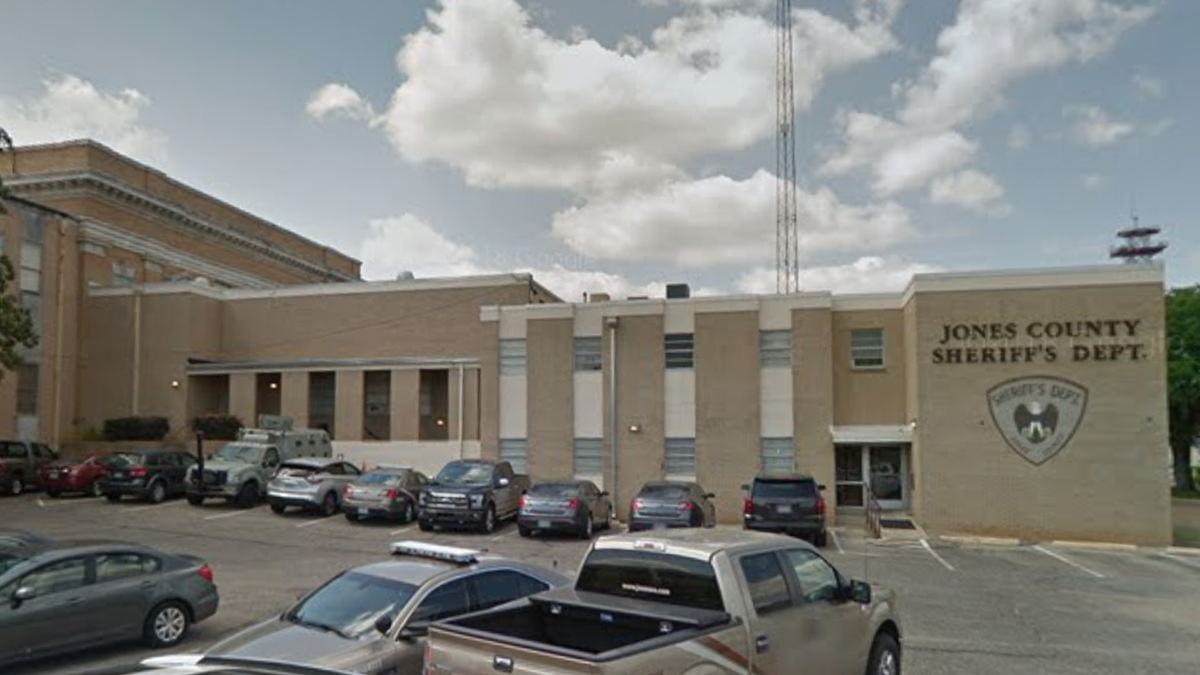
{"type": "Point", "coordinates": [148, 584]}
{"type": "Point", "coordinates": [762, 643]}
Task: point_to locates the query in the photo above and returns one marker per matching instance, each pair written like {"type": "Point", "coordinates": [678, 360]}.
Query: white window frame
{"type": "Point", "coordinates": [587, 457]}
{"type": "Point", "coordinates": [123, 276]}
{"type": "Point", "coordinates": [775, 348]}
{"type": "Point", "coordinates": [515, 451]}
{"type": "Point", "coordinates": [589, 354]}
{"type": "Point", "coordinates": [679, 351]}
{"type": "Point", "coordinates": [777, 455]}
{"type": "Point", "coordinates": [679, 460]}
{"type": "Point", "coordinates": [867, 356]}
{"type": "Point", "coordinates": [512, 356]}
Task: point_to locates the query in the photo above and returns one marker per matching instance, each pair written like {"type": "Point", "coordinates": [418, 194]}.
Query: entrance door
{"type": "Point", "coordinates": [887, 465]}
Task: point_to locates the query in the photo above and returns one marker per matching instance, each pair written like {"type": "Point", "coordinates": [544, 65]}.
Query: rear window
{"type": "Point", "coordinates": [664, 492]}
{"type": "Point", "coordinates": [124, 459]}
{"type": "Point", "coordinates": [555, 490]}
{"type": "Point", "coordinates": [792, 489]}
{"type": "Point", "coordinates": [656, 577]}
{"type": "Point", "coordinates": [379, 479]}
{"type": "Point", "coordinates": [297, 471]}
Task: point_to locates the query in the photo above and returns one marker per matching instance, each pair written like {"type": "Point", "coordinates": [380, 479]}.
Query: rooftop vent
{"type": "Point", "coordinates": [406, 275]}
{"type": "Point", "coordinates": [678, 291]}
{"type": "Point", "coordinates": [598, 297]}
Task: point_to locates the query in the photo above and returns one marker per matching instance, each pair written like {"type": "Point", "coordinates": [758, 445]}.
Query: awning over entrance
{"type": "Point", "coordinates": [871, 433]}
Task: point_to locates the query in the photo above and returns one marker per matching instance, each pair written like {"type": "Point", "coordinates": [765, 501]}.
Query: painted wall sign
{"type": "Point", "coordinates": [1037, 416]}
{"type": "Point", "coordinates": [1097, 340]}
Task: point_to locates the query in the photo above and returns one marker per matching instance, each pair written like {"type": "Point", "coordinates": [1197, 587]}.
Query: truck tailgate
{"type": "Point", "coordinates": [450, 653]}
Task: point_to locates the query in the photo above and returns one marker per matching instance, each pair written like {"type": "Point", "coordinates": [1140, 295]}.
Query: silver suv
{"type": "Point", "coordinates": [312, 483]}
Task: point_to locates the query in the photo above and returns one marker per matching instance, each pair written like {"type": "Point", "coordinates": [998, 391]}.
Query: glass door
{"type": "Point", "coordinates": [888, 467]}
{"type": "Point", "coordinates": [848, 466]}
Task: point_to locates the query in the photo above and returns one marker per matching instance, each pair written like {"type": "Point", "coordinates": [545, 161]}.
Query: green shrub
{"type": "Point", "coordinates": [136, 429]}
{"type": "Point", "coordinates": [218, 427]}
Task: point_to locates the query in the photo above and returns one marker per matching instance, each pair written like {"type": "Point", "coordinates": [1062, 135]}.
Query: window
{"type": "Point", "coordinates": [818, 580]}
{"type": "Point", "coordinates": [775, 348]}
{"type": "Point", "coordinates": [866, 348]}
{"type": "Point", "coordinates": [778, 455]}
{"type": "Point", "coordinates": [351, 602]}
{"type": "Point", "coordinates": [766, 583]}
{"type": "Point", "coordinates": [450, 599]}
{"type": "Point", "coordinates": [64, 575]}
{"type": "Point", "coordinates": [27, 389]}
{"type": "Point", "coordinates": [123, 275]}
{"type": "Point", "coordinates": [512, 357]}
{"type": "Point", "coordinates": [588, 354]}
{"type": "Point", "coordinates": [681, 457]}
{"type": "Point", "coordinates": [589, 456]}
{"type": "Point", "coordinates": [117, 566]}
{"type": "Point", "coordinates": [516, 452]}
{"type": "Point", "coordinates": [31, 267]}
{"type": "Point", "coordinates": [499, 587]}
{"type": "Point", "coordinates": [680, 350]}
{"type": "Point", "coordinates": [657, 577]}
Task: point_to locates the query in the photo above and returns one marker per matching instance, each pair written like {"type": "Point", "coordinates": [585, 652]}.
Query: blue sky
{"type": "Point", "coordinates": [618, 145]}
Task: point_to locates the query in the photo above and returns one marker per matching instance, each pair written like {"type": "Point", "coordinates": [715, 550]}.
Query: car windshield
{"type": "Point", "coordinates": [351, 603]}
{"type": "Point", "coordinates": [240, 453]}
{"type": "Point", "coordinates": [779, 489]}
{"type": "Point", "coordinates": [388, 479]}
{"type": "Point", "coordinates": [466, 474]}
{"type": "Point", "coordinates": [665, 492]}
{"type": "Point", "coordinates": [656, 577]}
{"type": "Point", "coordinates": [555, 490]}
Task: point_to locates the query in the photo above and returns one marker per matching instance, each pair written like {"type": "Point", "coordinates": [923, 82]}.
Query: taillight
{"type": "Point", "coordinates": [207, 573]}
{"type": "Point", "coordinates": [138, 472]}
{"type": "Point", "coordinates": [747, 506]}
{"type": "Point", "coordinates": [392, 494]}
{"type": "Point", "coordinates": [347, 490]}
{"type": "Point", "coordinates": [686, 506]}
{"type": "Point", "coordinates": [524, 501]}
{"type": "Point", "coordinates": [820, 504]}
{"type": "Point", "coordinates": [635, 505]}
{"type": "Point", "coordinates": [428, 657]}
{"type": "Point", "coordinates": [573, 504]}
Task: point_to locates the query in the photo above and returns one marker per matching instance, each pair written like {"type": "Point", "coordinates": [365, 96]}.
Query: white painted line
{"type": "Point", "coordinates": [403, 529]}
{"type": "Point", "coordinates": [229, 514]}
{"type": "Point", "coordinates": [935, 555]}
{"type": "Point", "coordinates": [64, 502]}
{"type": "Point", "coordinates": [1190, 562]}
{"type": "Point", "coordinates": [837, 542]}
{"type": "Point", "coordinates": [1068, 561]}
{"type": "Point", "coordinates": [501, 535]}
{"type": "Point", "coordinates": [315, 522]}
{"type": "Point", "coordinates": [152, 506]}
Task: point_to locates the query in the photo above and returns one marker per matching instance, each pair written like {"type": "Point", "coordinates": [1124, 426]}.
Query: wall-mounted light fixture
{"type": "Point", "coordinates": [274, 385]}
{"type": "Point", "coordinates": [441, 422]}
{"type": "Point", "coordinates": [912, 425]}
{"type": "Point", "coordinates": [635, 428]}
{"type": "Point", "coordinates": [174, 384]}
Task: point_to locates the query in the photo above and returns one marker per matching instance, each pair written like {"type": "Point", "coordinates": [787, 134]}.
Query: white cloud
{"type": "Point", "coordinates": [989, 46]}
{"type": "Point", "coordinates": [1151, 87]}
{"type": "Point", "coordinates": [1019, 137]}
{"type": "Point", "coordinates": [341, 100]}
{"type": "Point", "coordinates": [1092, 181]}
{"type": "Point", "coordinates": [758, 5]}
{"type": "Point", "coordinates": [971, 190]}
{"type": "Point", "coordinates": [871, 274]}
{"type": "Point", "coordinates": [509, 105]}
{"type": "Point", "coordinates": [1095, 127]}
{"type": "Point", "coordinates": [719, 220]}
{"type": "Point", "coordinates": [69, 108]}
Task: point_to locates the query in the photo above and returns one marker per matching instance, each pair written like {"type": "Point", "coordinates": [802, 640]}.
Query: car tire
{"type": "Point", "coordinates": [278, 508]}
{"type": "Point", "coordinates": [157, 493]}
{"type": "Point", "coordinates": [587, 528]}
{"type": "Point", "coordinates": [15, 485]}
{"type": "Point", "coordinates": [94, 489]}
{"type": "Point", "coordinates": [352, 517]}
{"type": "Point", "coordinates": [195, 500]}
{"type": "Point", "coordinates": [524, 531]}
{"type": "Point", "coordinates": [247, 497]}
{"type": "Point", "coordinates": [608, 520]}
{"type": "Point", "coordinates": [166, 625]}
{"type": "Point", "coordinates": [821, 539]}
{"type": "Point", "coordinates": [53, 493]}
{"type": "Point", "coordinates": [409, 514]}
{"type": "Point", "coordinates": [112, 497]}
{"type": "Point", "coordinates": [885, 656]}
{"type": "Point", "coordinates": [329, 505]}
{"type": "Point", "coordinates": [425, 526]}
{"type": "Point", "coordinates": [489, 519]}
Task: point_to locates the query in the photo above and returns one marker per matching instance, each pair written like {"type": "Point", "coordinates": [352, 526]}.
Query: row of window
{"type": "Point", "coordinates": [679, 351]}
{"type": "Point", "coordinates": [776, 455]}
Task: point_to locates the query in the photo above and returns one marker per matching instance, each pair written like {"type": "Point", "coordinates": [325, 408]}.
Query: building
{"type": "Point", "coordinates": [1027, 403]}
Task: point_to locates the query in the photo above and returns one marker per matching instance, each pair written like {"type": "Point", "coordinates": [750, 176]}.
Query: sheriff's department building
{"type": "Point", "coordinates": [1027, 403]}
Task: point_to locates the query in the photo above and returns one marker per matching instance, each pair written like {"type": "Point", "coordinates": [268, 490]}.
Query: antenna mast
{"type": "Point", "coordinates": [787, 247]}
{"type": "Point", "coordinates": [1138, 245]}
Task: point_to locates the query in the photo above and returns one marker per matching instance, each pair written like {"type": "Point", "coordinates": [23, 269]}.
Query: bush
{"type": "Point", "coordinates": [136, 429]}
{"type": "Point", "coordinates": [218, 427]}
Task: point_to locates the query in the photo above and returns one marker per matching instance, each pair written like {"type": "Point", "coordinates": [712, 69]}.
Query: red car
{"type": "Point", "coordinates": [75, 476]}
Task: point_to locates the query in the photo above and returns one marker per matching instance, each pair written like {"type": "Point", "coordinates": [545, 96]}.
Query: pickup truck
{"type": "Point", "coordinates": [473, 493]}
{"type": "Point", "coordinates": [21, 464]}
{"type": "Point", "coordinates": [689, 601]}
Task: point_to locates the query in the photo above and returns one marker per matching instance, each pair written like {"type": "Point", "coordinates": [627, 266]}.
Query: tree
{"type": "Point", "coordinates": [1183, 378]}
{"type": "Point", "coordinates": [16, 325]}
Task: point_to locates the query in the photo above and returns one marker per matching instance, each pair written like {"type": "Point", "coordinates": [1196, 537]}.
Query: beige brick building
{"type": "Point", "coordinates": [1023, 403]}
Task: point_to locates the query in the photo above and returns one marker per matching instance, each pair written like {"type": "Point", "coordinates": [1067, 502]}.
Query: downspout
{"type": "Point", "coordinates": [461, 412]}
{"type": "Point", "coordinates": [137, 348]}
{"type": "Point", "coordinates": [56, 434]}
{"type": "Point", "coordinates": [611, 322]}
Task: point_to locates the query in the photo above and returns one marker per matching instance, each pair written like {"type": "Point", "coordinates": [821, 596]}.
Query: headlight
{"type": "Point", "coordinates": [476, 501]}
{"type": "Point", "coordinates": [422, 498]}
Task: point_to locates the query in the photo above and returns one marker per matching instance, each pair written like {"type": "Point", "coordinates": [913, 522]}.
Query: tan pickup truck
{"type": "Point", "coordinates": [694, 601]}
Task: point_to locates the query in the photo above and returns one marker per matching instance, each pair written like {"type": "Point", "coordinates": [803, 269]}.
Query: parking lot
{"type": "Point", "coordinates": [968, 607]}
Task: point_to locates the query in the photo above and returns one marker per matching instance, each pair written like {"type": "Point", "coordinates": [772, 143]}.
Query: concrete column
{"type": "Point", "coordinates": [452, 404]}
{"type": "Point", "coordinates": [243, 394]}
{"type": "Point", "coordinates": [471, 404]}
{"type": "Point", "coordinates": [294, 397]}
{"type": "Point", "coordinates": [406, 401]}
{"type": "Point", "coordinates": [348, 414]}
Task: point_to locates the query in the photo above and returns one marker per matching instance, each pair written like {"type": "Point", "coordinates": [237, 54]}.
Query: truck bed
{"type": "Point", "coordinates": [583, 625]}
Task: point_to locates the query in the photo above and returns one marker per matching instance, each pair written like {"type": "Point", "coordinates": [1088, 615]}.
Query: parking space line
{"type": "Point", "coordinates": [152, 506]}
{"type": "Point", "coordinates": [64, 502]}
{"type": "Point", "coordinates": [1072, 563]}
{"type": "Point", "coordinates": [501, 536]}
{"type": "Point", "coordinates": [310, 523]}
{"type": "Point", "coordinates": [229, 514]}
{"type": "Point", "coordinates": [934, 553]}
{"type": "Point", "coordinates": [837, 542]}
{"type": "Point", "coordinates": [1195, 564]}
{"type": "Point", "coordinates": [403, 529]}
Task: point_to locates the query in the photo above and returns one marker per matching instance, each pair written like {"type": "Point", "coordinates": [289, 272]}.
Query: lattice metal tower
{"type": "Point", "coordinates": [787, 236]}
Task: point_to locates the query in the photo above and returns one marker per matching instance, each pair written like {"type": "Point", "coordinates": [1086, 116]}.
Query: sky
{"type": "Point", "coordinates": [618, 145]}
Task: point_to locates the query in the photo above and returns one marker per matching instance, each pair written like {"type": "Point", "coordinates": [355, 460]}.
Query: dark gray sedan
{"type": "Point", "coordinates": [65, 596]}
{"type": "Point", "coordinates": [384, 492]}
{"type": "Point", "coordinates": [669, 504]}
{"type": "Point", "coordinates": [575, 506]}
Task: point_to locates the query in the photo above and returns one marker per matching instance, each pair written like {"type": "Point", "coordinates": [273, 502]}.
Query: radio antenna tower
{"type": "Point", "coordinates": [787, 246]}
{"type": "Point", "coordinates": [1138, 245]}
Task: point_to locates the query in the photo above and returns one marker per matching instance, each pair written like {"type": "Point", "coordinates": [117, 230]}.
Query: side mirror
{"type": "Point", "coordinates": [414, 631]}
{"type": "Point", "coordinates": [603, 494]}
{"type": "Point", "coordinates": [383, 624]}
{"type": "Point", "coordinates": [860, 592]}
{"type": "Point", "coordinates": [24, 593]}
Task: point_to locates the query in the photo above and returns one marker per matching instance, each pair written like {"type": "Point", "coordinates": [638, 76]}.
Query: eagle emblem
{"type": "Point", "coordinates": [1037, 416]}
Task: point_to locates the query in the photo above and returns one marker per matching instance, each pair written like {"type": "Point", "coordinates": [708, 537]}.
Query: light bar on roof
{"type": "Point", "coordinates": [421, 549]}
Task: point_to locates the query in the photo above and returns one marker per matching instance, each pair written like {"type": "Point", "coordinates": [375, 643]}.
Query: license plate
{"type": "Point", "coordinates": [543, 524]}
{"type": "Point", "coordinates": [784, 508]}
{"type": "Point", "coordinates": [54, 474]}
{"type": "Point", "coordinates": [118, 476]}
{"type": "Point", "coordinates": [362, 510]}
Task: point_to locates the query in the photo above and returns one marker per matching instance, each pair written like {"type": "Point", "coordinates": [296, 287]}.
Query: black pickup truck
{"type": "Point", "coordinates": [471, 493]}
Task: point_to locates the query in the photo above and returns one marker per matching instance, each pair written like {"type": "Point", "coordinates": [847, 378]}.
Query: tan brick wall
{"type": "Point", "coordinates": [348, 420]}
{"type": "Point", "coordinates": [106, 367]}
{"type": "Point", "coordinates": [912, 406]}
{"type": "Point", "coordinates": [406, 399]}
{"type": "Point", "coordinates": [294, 397]}
{"type": "Point", "coordinates": [641, 393]}
{"type": "Point", "coordinates": [471, 404]}
{"type": "Point", "coordinates": [869, 396]}
{"type": "Point", "coordinates": [1108, 483]}
{"type": "Point", "coordinates": [728, 417]}
{"type": "Point", "coordinates": [813, 397]}
{"type": "Point", "coordinates": [551, 387]}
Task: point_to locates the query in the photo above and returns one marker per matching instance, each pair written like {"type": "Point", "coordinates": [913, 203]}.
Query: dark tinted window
{"type": "Point", "coordinates": [447, 600]}
{"type": "Point", "coordinates": [555, 490]}
{"type": "Point", "coordinates": [497, 588]}
{"type": "Point", "coordinates": [12, 451]}
{"type": "Point", "coordinates": [387, 479]}
{"type": "Point", "coordinates": [673, 492]}
{"type": "Point", "coordinates": [766, 583]}
{"type": "Point", "coordinates": [794, 489]}
{"type": "Point", "coordinates": [123, 460]}
{"type": "Point", "coordinates": [465, 473]}
{"type": "Point", "coordinates": [658, 577]}
{"type": "Point", "coordinates": [115, 566]}
{"type": "Point", "coordinates": [818, 580]}
{"type": "Point", "coordinates": [351, 603]}
{"type": "Point", "coordinates": [9, 559]}
{"type": "Point", "coordinates": [58, 577]}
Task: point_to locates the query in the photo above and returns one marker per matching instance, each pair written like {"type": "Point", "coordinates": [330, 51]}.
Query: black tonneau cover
{"type": "Point", "coordinates": [583, 602]}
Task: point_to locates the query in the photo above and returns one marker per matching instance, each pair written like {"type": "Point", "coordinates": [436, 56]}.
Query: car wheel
{"type": "Point", "coordinates": [166, 625]}
{"type": "Point", "coordinates": [278, 508]}
{"type": "Point", "coordinates": [113, 497]}
{"type": "Point", "coordinates": [15, 485]}
{"type": "Point", "coordinates": [158, 492]}
{"type": "Point", "coordinates": [424, 526]}
{"type": "Point", "coordinates": [608, 518]}
{"type": "Point", "coordinates": [53, 493]}
{"type": "Point", "coordinates": [587, 529]}
{"type": "Point", "coordinates": [524, 531]}
{"type": "Point", "coordinates": [885, 656]}
{"type": "Point", "coordinates": [247, 496]}
{"type": "Point", "coordinates": [329, 505]}
{"type": "Point", "coordinates": [489, 520]}
{"type": "Point", "coordinates": [821, 539]}
{"type": "Point", "coordinates": [94, 489]}
{"type": "Point", "coordinates": [195, 500]}
{"type": "Point", "coordinates": [351, 516]}
{"type": "Point", "coordinates": [409, 513]}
